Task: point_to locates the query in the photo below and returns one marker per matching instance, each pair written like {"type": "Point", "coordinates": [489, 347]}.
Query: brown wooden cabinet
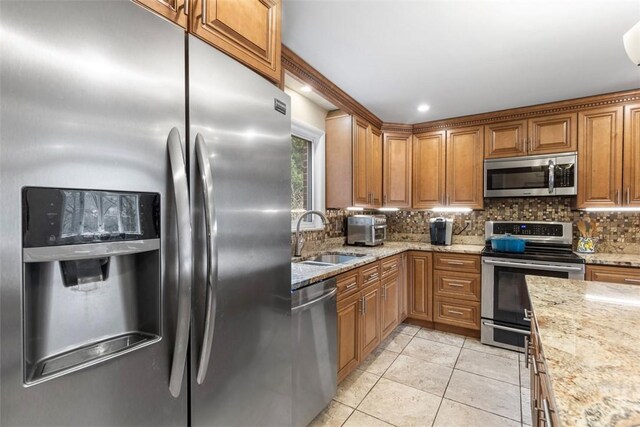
{"type": "Point", "coordinates": [631, 155]}
{"type": "Point", "coordinates": [465, 167]}
{"type": "Point", "coordinates": [353, 162]}
{"type": "Point", "coordinates": [613, 274]}
{"type": "Point", "coordinates": [404, 288]}
{"type": "Point", "coordinates": [555, 133]}
{"type": "Point", "coordinates": [247, 30]}
{"type": "Point", "coordinates": [447, 168]}
{"type": "Point", "coordinates": [600, 157]}
{"type": "Point", "coordinates": [348, 335]}
{"type": "Point", "coordinates": [173, 10]}
{"type": "Point", "coordinates": [396, 171]}
{"type": "Point", "coordinates": [390, 312]}
{"type": "Point", "coordinates": [428, 169]}
{"type": "Point", "coordinates": [370, 324]}
{"type": "Point", "coordinates": [419, 265]}
{"type": "Point", "coordinates": [457, 290]}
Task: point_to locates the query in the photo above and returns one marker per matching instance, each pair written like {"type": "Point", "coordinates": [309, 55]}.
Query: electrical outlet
{"type": "Point", "coordinates": [467, 223]}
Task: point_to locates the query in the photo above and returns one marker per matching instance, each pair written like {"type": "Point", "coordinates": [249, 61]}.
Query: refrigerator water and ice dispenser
{"type": "Point", "coordinates": [92, 277]}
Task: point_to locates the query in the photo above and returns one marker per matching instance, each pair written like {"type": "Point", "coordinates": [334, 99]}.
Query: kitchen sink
{"type": "Point", "coordinates": [331, 259]}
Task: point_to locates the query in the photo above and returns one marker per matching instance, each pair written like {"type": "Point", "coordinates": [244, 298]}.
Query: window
{"type": "Point", "coordinates": [307, 174]}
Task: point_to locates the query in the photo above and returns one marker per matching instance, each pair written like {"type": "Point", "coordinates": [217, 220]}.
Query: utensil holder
{"type": "Point", "coordinates": [586, 245]}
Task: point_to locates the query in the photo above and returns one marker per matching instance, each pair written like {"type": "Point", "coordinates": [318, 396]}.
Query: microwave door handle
{"type": "Point", "coordinates": [204, 165]}
{"type": "Point", "coordinates": [185, 269]}
{"type": "Point", "coordinates": [552, 176]}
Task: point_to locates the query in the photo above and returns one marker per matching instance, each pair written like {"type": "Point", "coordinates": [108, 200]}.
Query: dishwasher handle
{"type": "Point", "coordinates": [314, 301]}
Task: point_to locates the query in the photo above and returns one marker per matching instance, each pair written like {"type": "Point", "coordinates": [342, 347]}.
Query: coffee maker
{"type": "Point", "coordinates": [441, 231]}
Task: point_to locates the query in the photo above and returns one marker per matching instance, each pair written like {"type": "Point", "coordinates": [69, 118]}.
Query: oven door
{"type": "Point", "coordinates": [531, 176]}
{"type": "Point", "coordinates": [505, 297]}
{"type": "Point", "coordinates": [378, 234]}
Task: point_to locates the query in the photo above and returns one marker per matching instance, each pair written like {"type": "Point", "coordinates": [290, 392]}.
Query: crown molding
{"type": "Point", "coordinates": [302, 70]}
{"type": "Point", "coordinates": [397, 128]}
{"type": "Point", "coordinates": [519, 113]}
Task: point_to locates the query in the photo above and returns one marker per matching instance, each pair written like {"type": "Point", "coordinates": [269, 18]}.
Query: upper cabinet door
{"type": "Point", "coordinates": [429, 169]}
{"type": "Point", "coordinates": [631, 175]}
{"type": "Point", "coordinates": [507, 139]}
{"type": "Point", "coordinates": [397, 170]}
{"type": "Point", "coordinates": [600, 158]}
{"type": "Point", "coordinates": [248, 30]}
{"type": "Point", "coordinates": [173, 10]}
{"type": "Point", "coordinates": [361, 150]}
{"type": "Point", "coordinates": [553, 134]}
{"type": "Point", "coordinates": [465, 150]}
{"type": "Point", "coordinates": [375, 168]}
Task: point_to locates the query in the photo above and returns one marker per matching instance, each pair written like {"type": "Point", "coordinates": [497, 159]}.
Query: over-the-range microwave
{"type": "Point", "coordinates": [545, 175]}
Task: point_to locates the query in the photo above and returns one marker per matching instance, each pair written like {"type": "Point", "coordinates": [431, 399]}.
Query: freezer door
{"type": "Point", "coordinates": [241, 330]}
{"type": "Point", "coordinates": [89, 92]}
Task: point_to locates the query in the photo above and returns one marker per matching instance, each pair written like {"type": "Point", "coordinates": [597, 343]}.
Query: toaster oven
{"type": "Point", "coordinates": [366, 230]}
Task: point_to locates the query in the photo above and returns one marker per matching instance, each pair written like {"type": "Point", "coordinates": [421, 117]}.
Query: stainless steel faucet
{"type": "Point", "coordinates": [299, 236]}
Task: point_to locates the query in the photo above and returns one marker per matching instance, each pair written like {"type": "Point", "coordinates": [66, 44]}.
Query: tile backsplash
{"type": "Point", "coordinates": [616, 231]}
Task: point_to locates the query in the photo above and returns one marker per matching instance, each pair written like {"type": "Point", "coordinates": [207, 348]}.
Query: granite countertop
{"type": "Point", "coordinates": [619, 260]}
{"type": "Point", "coordinates": [590, 333]}
{"type": "Point", "coordinates": [305, 274]}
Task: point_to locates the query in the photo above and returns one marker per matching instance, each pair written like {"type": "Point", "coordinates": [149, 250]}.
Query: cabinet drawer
{"type": "Point", "coordinates": [390, 266]}
{"type": "Point", "coordinates": [457, 262]}
{"type": "Point", "coordinates": [627, 275]}
{"type": "Point", "coordinates": [347, 284]}
{"type": "Point", "coordinates": [457, 285]}
{"type": "Point", "coordinates": [456, 312]}
{"type": "Point", "coordinates": [370, 273]}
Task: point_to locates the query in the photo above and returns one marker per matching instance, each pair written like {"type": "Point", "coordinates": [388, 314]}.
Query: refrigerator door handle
{"type": "Point", "coordinates": [185, 269]}
{"type": "Point", "coordinates": [204, 165]}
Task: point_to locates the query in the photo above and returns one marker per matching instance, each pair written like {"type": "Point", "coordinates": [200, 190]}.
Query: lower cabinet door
{"type": "Point", "coordinates": [370, 325]}
{"type": "Point", "coordinates": [420, 285]}
{"type": "Point", "coordinates": [348, 335]}
{"type": "Point", "coordinates": [390, 304]}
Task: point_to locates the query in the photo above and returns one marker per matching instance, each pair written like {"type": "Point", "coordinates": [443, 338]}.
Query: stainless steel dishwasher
{"type": "Point", "coordinates": [315, 349]}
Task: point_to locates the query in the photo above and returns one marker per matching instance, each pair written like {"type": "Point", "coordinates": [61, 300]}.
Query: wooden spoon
{"type": "Point", "coordinates": [582, 228]}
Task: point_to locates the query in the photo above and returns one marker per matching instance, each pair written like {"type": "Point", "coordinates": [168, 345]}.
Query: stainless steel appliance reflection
{"type": "Point", "coordinates": [315, 349]}
{"type": "Point", "coordinates": [505, 297]}
{"type": "Point", "coordinates": [114, 226]}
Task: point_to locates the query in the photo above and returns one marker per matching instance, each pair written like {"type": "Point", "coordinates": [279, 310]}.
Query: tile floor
{"type": "Point", "coordinates": [422, 377]}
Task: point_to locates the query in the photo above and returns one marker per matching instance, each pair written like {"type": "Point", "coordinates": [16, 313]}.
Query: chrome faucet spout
{"type": "Point", "coordinates": [299, 238]}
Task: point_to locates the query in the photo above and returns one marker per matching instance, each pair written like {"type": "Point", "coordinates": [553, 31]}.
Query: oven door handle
{"type": "Point", "coordinates": [506, 328]}
{"type": "Point", "coordinates": [531, 265]}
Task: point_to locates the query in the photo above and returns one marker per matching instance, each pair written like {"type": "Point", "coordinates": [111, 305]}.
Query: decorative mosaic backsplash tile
{"type": "Point", "coordinates": [616, 231]}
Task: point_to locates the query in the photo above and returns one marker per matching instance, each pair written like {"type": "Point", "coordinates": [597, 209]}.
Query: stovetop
{"type": "Point", "coordinates": [536, 253]}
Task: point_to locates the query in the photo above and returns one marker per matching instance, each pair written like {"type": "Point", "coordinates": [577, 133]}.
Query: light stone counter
{"type": "Point", "coordinates": [618, 260]}
{"type": "Point", "coordinates": [590, 336]}
{"type": "Point", "coordinates": [304, 274]}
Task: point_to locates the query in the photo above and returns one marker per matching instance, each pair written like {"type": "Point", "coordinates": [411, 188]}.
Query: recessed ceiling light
{"type": "Point", "coordinates": [306, 88]}
{"type": "Point", "coordinates": [423, 107]}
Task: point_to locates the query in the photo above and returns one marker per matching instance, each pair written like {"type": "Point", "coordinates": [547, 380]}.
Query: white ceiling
{"type": "Point", "coordinates": [463, 57]}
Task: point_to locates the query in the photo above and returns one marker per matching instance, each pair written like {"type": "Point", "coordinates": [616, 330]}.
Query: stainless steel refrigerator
{"type": "Point", "coordinates": [145, 251]}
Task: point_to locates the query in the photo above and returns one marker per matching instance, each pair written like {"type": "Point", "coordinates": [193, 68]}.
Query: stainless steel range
{"type": "Point", "coordinates": [504, 291]}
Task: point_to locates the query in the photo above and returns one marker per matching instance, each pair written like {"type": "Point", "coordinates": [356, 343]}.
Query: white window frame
{"type": "Point", "coordinates": [316, 136]}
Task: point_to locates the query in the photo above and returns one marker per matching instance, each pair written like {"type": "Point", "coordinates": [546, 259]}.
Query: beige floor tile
{"type": "Point", "coordinates": [525, 378]}
{"type": "Point", "coordinates": [407, 329]}
{"type": "Point", "coordinates": [475, 344]}
{"type": "Point", "coordinates": [378, 361]}
{"type": "Point", "coordinates": [485, 393]}
{"type": "Point", "coordinates": [396, 342]}
{"type": "Point", "coordinates": [454, 414]}
{"type": "Point", "coordinates": [360, 419]}
{"type": "Point", "coordinates": [355, 387]}
{"type": "Point", "coordinates": [431, 351]}
{"type": "Point", "coordinates": [419, 374]}
{"type": "Point", "coordinates": [526, 406]}
{"type": "Point", "coordinates": [400, 405]}
{"type": "Point", "coordinates": [488, 365]}
{"type": "Point", "coordinates": [334, 415]}
{"type": "Point", "coordinates": [441, 337]}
